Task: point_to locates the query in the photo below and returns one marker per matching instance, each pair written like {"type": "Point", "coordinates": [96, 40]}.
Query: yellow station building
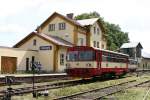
{"type": "Point", "coordinates": [48, 44]}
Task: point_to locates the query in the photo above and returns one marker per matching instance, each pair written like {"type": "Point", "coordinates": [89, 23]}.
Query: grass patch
{"type": "Point", "coordinates": [85, 87]}
{"type": "Point", "coordinates": [136, 93]}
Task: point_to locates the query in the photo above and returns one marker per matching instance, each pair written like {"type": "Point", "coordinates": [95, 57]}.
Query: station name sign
{"type": "Point", "coordinates": [45, 47]}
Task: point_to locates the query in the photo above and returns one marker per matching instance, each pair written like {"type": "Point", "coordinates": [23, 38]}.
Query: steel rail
{"type": "Point", "coordinates": [99, 93]}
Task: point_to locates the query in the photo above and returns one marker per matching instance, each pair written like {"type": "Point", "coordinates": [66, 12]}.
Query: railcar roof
{"type": "Point", "coordinates": [102, 50]}
{"type": "Point", "coordinates": [111, 51]}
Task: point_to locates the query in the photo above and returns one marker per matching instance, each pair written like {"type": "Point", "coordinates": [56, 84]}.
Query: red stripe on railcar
{"type": "Point", "coordinates": [90, 72]}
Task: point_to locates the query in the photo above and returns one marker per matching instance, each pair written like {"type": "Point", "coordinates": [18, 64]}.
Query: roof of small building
{"type": "Point", "coordinates": [86, 22]}
{"type": "Point", "coordinates": [131, 45]}
{"type": "Point", "coordinates": [49, 38]}
{"type": "Point", "coordinates": [4, 47]}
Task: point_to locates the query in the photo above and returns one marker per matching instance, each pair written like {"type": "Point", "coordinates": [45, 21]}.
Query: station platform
{"type": "Point", "coordinates": [30, 75]}
{"type": "Point", "coordinates": [28, 78]}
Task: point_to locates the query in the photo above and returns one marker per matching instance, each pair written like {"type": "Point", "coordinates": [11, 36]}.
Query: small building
{"type": "Point", "coordinates": [15, 59]}
{"type": "Point", "coordinates": [48, 44]}
{"type": "Point", "coordinates": [134, 50]}
{"type": "Point", "coordinates": [145, 63]}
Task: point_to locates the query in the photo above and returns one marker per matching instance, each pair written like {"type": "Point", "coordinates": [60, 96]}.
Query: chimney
{"type": "Point", "coordinates": [38, 29]}
{"type": "Point", "coordinates": [70, 15]}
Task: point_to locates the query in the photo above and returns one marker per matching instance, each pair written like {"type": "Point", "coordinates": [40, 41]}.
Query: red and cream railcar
{"type": "Point", "coordinates": [84, 61]}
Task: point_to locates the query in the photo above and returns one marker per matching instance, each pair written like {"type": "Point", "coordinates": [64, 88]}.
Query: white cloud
{"type": "Point", "coordinates": [11, 7]}
{"type": "Point", "coordinates": [132, 15]}
{"type": "Point", "coordinates": [12, 28]}
{"type": "Point", "coordinates": [10, 34]}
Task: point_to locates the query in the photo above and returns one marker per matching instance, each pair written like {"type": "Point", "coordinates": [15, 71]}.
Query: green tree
{"type": "Point", "coordinates": [115, 36]}
{"type": "Point", "coordinates": [87, 15]}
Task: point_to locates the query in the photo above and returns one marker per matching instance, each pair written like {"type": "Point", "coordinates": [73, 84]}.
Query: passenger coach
{"type": "Point", "coordinates": [84, 61]}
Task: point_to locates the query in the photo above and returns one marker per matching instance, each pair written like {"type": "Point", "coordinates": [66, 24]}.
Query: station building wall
{"type": "Point", "coordinates": [145, 63]}
{"type": "Point", "coordinates": [52, 59]}
{"type": "Point", "coordinates": [45, 57]}
{"type": "Point", "coordinates": [97, 37]}
{"type": "Point", "coordinates": [81, 39]}
{"type": "Point", "coordinates": [67, 34]}
{"type": "Point", "coordinates": [20, 54]}
{"type": "Point", "coordinates": [62, 59]}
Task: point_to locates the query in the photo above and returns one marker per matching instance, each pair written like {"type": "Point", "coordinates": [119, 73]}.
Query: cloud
{"type": "Point", "coordinates": [10, 34]}
{"type": "Point", "coordinates": [22, 16]}
{"type": "Point", "coordinates": [12, 28]}
{"type": "Point", "coordinates": [12, 7]}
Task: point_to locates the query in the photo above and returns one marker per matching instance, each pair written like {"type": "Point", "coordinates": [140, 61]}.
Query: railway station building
{"type": "Point", "coordinates": [48, 44]}
{"type": "Point", "coordinates": [145, 62]}
{"type": "Point", "coordinates": [134, 50]}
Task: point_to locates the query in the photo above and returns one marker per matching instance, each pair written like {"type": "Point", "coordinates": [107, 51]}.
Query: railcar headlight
{"type": "Point", "coordinates": [88, 65]}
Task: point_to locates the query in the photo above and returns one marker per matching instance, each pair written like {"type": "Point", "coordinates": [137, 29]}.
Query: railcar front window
{"type": "Point", "coordinates": [72, 56]}
{"type": "Point", "coordinates": [86, 55]}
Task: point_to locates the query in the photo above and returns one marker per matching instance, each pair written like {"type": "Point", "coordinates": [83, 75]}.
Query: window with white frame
{"type": "Point", "coordinates": [62, 26]}
{"type": "Point", "coordinates": [81, 41]}
{"type": "Point", "coordinates": [94, 43]}
{"type": "Point", "coordinates": [97, 44]}
{"type": "Point", "coordinates": [51, 27]}
{"type": "Point", "coordinates": [62, 57]}
{"type": "Point", "coordinates": [94, 30]}
{"type": "Point", "coordinates": [102, 46]}
{"type": "Point", "coordinates": [97, 30]}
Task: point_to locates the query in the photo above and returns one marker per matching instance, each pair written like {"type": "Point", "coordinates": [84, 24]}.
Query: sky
{"type": "Point", "coordinates": [20, 17]}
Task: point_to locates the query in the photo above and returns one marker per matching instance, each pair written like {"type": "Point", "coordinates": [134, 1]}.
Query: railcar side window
{"type": "Point", "coordinates": [104, 58]}
{"type": "Point", "coordinates": [80, 55]}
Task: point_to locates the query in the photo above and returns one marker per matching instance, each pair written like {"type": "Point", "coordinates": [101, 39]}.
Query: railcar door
{"type": "Point", "coordinates": [99, 59]}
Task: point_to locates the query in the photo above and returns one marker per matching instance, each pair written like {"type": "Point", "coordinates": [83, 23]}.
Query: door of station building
{"type": "Point", "coordinates": [8, 65]}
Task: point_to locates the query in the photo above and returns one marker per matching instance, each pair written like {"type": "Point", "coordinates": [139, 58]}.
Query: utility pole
{"type": "Point", "coordinates": [8, 80]}
{"type": "Point", "coordinates": [33, 67]}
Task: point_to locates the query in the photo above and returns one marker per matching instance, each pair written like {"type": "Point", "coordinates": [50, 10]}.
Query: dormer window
{"type": "Point", "coordinates": [81, 41]}
{"type": "Point", "coordinates": [94, 30]}
{"type": "Point", "coordinates": [51, 27]}
{"type": "Point", "coordinates": [94, 43]}
{"type": "Point", "coordinates": [102, 46]}
{"type": "Point", "coordinates": [97, 30]}
{"type": "Point", "coordinates": [97, 44]}
{"type": "Point", "coordinates": [34, 42]}
{"type": "Point", "coordinates": [62, 26]}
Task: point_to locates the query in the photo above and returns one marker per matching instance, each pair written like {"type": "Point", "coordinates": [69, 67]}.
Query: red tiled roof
{"type": "Point", "coordinates": [53, 39]}
{"type": "Point", "coordinates": [66, 18]}
{"type": "Point", "coordinates": [57, 40]}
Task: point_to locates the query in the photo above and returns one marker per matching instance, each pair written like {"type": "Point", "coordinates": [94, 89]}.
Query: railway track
{"type": "Point", "coordinates": [98, 94]}
{"type": "Point", "coordinates": [23, 90]}
{"type": "Point", "coordinates": [29, 89]}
